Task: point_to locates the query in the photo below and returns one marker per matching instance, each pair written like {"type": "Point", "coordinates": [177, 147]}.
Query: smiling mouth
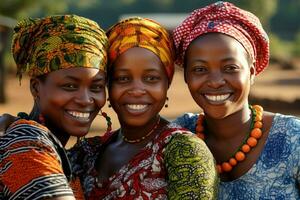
{"type": "Point", "coordinates": [82, 116]}
{"type": "Point", "coordinates": [137, 107]}
{"type": "Point", "coordinates": [217, 98]}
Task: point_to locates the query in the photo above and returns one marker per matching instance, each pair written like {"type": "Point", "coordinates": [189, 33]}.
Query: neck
{"type": "Point", "coordinates": [138, 132]}
{"type": "Point", "coordinates": [62, 136]}
{"type": "Point", "coordinates": [229, 127]}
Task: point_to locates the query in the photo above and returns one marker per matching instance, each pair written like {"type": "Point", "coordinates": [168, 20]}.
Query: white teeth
{"type": "Point", "coordinates": [80, 115]}
{"type": "Point", "coordinates": [221, 97]}
{"type": "Point", "coordinates": [136, 106]}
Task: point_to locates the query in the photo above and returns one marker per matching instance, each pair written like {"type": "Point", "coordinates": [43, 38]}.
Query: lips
{"type": "Point", "coordinates": [136, 108]}
{"type": "Point", "coordinates": [81, 116]}
{"type": "Point", "coordinates": [217, 98]}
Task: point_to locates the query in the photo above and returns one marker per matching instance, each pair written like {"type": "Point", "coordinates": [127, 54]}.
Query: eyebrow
{"type": "Point", "coordinates": [223, 60]}
{"type": "Point", "coordinates": [78, 79]}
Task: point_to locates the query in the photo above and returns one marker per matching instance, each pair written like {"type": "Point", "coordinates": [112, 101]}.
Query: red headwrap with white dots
{"type": "Point", "coordinates": [226, 18]}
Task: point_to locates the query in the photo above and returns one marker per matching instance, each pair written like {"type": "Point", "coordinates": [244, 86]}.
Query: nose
{"type": "Point", "coordinates": [84, 97]}
{"type": "Point", "coordinates": [216, 80]}
{"type": "Point", "coordinates": [137, 89]}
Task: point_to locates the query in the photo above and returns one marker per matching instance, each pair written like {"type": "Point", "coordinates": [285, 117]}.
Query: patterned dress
{"type": "Point", "coordinates": [276, 173]}
{"type": "Point", "coordinates": [33, 164]}
{"type": "Point", "coordinates": [174, 165]}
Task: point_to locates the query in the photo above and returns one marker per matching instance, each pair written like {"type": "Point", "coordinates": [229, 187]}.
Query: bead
{"type": "Point", "coordinates": [252, 141]}
{"type": "Point", "coordinates": [256, 133]}
{"type": "Point", "coordinates": [232, 161]}
{"type": "Point", "coordinates": [258, 118]}
{"type": "Point", "coordinates": [258, 108]}
{"type": "Point", "coordinates": [240, 156]}
{"type": "Point", "coordinates": [246, 148]}
{"type": "Point", "coordinates": [258, 124]}
{"type": "Point", "coordinates": [226, 167]}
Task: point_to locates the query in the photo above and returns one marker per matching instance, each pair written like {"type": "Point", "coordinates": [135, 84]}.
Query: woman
{"type": "Point", "coordinates": [148, 157]}
{"type": "Point", "coordinates": [222, 48]}
{"type": "Point", "coordinates": [65, 57]}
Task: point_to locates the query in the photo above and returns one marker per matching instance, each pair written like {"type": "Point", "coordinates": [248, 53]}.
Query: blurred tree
{"type": "Point", "coordinates": [16, 9]}
{"type": "Point", "coordinates": [264, 10]}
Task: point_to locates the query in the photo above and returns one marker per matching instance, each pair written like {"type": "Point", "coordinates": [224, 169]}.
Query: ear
{"type": "Point", "coordinates": [252, 73]}
{"type": "Point", "coordinates": [35, 86]}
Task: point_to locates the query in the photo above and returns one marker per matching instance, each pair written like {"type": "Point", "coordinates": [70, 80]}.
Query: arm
{"type": "Point", "coordinates": [30, 167]}
{"type": "Point", "coordinates": [191, 169]}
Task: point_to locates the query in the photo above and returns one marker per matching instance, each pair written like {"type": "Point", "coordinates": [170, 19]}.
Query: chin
{"type": "Point", "coordinates": [80, 132]}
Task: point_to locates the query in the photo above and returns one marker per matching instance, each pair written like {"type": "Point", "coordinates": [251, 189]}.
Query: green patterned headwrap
{"type": "Point", "coordinates": [41, 46]}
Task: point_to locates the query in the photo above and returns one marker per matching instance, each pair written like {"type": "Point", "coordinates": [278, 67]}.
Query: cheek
{"type": "Point", "coordinates": [100, 99]}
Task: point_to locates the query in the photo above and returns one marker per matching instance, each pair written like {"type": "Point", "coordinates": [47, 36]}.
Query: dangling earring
{"type": "Point", "coordinates": [108, 121]}
{"type": "Point", "coordinates": [41, 119]}
{"type": "Point", "coordinates": [166, 105]}
{"type": "Point", "coordinates": [108, 103]}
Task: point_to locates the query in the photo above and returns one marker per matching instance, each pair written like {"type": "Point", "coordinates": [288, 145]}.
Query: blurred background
{"type": "Point", "coordinates": [276, 89]}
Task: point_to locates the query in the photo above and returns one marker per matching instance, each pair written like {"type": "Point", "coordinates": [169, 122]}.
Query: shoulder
{"type": "Point", "coordinates": [287, 124]}
{"type": "Point", "coordinates": [29, 147]}
{"type": "Point", "coordinates": [184, 144]}
{"type": "Point", "coordinates": [187, 120]}
{"type": "Point", "coordinates": [27, 133]}
{"type": "Point", "coordinates": [190, 168]}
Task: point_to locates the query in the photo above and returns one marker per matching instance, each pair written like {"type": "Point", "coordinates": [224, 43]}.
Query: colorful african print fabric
{"type": "Point", "coordinates": [144, 33]}
{"type": "Point", "coordinates": [226, 18]}
{"type": "Point", "coordinates": [33, 164]}
{"type": "Point", "coordinates": [58, 42]}
{"type": "Point", "coordinates": [175, 165]}
{"type": "Point", "coordinates": [276, 173]}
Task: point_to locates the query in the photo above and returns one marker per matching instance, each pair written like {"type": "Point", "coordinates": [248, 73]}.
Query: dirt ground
{"type": "Point", "coordinates": [273, 85]}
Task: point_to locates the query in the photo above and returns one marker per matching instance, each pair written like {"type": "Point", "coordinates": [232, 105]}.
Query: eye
{"type": "Point", "coordinates": [199, 69]}
{"type": "Point", "coordinates": [152, 78]}
{"type": "Point", "coordinates": [97, 87]}
{"type": "Point", "coordinates": [69, 86]}
{"type": "Point", "coordinates": [122, 79]}
{"type": "Point", "coordinates": [231, 68]}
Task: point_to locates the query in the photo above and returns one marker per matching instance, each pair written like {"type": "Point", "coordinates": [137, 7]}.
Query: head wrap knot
{"type": "Point", "coordinates": [144, 33]}
{"type": "Point", "coordinates": [41, 46]}
{"type": "Point", "coordinates": [226, 18]}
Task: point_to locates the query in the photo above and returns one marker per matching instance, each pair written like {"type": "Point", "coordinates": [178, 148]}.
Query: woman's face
{"type": "Point", "coordinates": [219, 74]}
{"type": "Point", "coordinates": [139, 87]}
{"type": "Point", "coordinates": [70, 99]}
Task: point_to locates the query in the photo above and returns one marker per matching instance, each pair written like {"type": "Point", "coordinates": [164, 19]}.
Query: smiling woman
{"type": "Point", "coordinates": [65, 56]}
{"type": "Point", "coordinates": [148, 157]}
{"type": "Point", "coordinates": [222, 48]}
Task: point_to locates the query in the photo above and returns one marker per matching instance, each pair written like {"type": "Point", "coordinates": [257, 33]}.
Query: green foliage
{"type": "Point", "coordinates": [296, 45]}
{"type": "Point", "coordinates": [25, 8]}
{"type": "Point", "coordinates": [264, 10]}
{"type": "Point", "coordinates": [279, 48]}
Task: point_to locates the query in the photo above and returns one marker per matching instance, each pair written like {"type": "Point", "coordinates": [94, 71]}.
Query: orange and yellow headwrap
{"type": "Point", "coordinates": [41, 46]}
{"type": "Point", "coordinates": [144, 33]}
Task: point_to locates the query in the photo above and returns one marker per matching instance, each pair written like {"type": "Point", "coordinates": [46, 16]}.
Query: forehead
{"type": "Point", "coordinates": [137, 58]}
{"type": "Point", "coordinates": [77, 72]}
{"type": "Point", "coordinates": [217, 42]}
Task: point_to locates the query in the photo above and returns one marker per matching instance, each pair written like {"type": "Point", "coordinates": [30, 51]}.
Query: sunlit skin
{"type": "Point", "coordinates": [70, 99]}
{"type": "Point", "coordinates": [138, 78]}
{"type": "Point", "coordinates": [219, 74]}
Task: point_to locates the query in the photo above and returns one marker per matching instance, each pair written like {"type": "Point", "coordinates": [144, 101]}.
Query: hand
{"type": "Point", "coordinates": [5, 121]}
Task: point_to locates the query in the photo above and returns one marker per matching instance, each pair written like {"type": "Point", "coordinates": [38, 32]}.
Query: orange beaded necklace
{"type": "Point", "coordinates": [249, 142]}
